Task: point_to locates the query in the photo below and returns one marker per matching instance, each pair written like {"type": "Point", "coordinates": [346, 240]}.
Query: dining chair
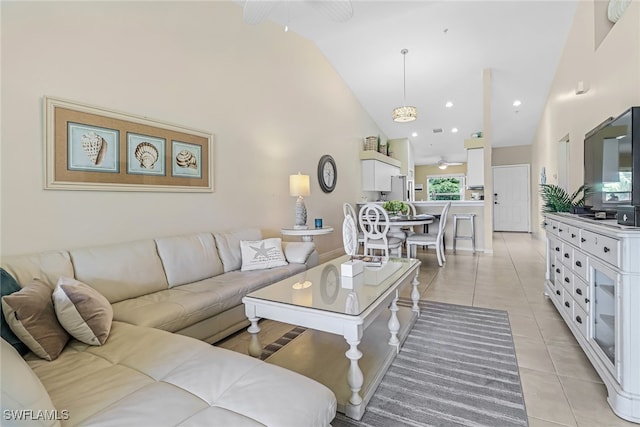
{"type": "Point", "coordinates": [424, 239]}
{"type": "Point", "coordinates": [374, 222]}
{"type": "Point", "coordinates": [348, 210]}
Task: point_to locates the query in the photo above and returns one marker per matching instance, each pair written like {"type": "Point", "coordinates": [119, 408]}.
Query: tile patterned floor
{"type": "Point", "coordinates": [560, 386]}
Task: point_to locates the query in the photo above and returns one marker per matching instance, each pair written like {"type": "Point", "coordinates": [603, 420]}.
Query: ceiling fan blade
{"type": "Point", "coordinates": [256, 11]}
{"type": "Point", "coordinates": [336, 10]}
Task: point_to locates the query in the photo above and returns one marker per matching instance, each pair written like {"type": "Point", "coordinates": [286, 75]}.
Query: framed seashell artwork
{"type": "Point", "coordinates": [93, 148]}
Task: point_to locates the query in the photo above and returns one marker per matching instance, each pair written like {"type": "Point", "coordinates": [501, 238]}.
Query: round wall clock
{"type": "Point", "coordinates": [327, 173]}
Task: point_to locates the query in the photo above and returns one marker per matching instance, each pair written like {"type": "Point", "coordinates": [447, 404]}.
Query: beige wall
{"type": "Point", "coordinates": [612, 74]}
{"type": "Point", "coordinates": [272, 100]}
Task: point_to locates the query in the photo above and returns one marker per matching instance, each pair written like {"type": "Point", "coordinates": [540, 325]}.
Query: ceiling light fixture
{"type": "Point", "coordinates": [454, 130]}
{"type": "Point", "coordinates": [414, 134]}
{"type": "Point", "coordinates": [517, 103]}
{"type": "Point", "coordinates": [449, 104]}
{"type": "Point", "coordinates": [405, 113]}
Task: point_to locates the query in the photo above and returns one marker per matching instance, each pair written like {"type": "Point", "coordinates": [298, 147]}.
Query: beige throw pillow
{"type": "Point", "coordinates": [82, 311]}
{"type": "Point", "coordinates": [30, 315]}
{"type": "Point", "coordinates": [261, 254]}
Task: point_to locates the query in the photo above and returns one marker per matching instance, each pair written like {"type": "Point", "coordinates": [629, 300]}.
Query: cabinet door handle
{"type": "Point", "coordinates": [578, 263]}
{"type": "Point", "coordinates": [554, 227]}
{"type": "Point", "coordinates": [578, 319]}
{"type": "Point", "coordinates": [553, 265]}
{"type": "Point", "coordinates": [566, 255]}
{"type": "Point", "coordinates": [558, 270]}
{"type": "Point", "coordinates": [566, 303]}
{"type": "Point", "coordinates": [578, 291]}
{"type": "Point", "coordinates": [582, 240]}
{"type": "Point", "coordinates": [573, 236]}
{"type": "Point", "coordinates": [545, 223]}
{"type": "Point", "coordinates": [566, 279]}
{"type": "Point", "coordinates": [586, 300]}
{"type": "Point", "coordinates": [606, 249]}
{"type": "Point", "coordinates": [558, 292]}
{"type": "Point", "coordinates": [560, 230]}
{"type": "Point", "coordinates": [557, 248]}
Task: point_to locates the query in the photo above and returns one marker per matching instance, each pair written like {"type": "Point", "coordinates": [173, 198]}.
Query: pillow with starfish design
{"type": "Point", "coordinates": [261, 254]}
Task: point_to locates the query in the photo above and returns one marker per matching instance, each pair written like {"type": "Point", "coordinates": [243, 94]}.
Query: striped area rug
{"type": "Point", "coordinates": [457, 368]}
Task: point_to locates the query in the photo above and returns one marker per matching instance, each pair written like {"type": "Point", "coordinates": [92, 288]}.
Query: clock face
{"type": "Point", "coordinates": [327, 173]}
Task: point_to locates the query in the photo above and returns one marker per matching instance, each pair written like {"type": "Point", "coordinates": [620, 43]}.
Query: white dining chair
{"type": "Point", "coordinates": [374, 222]}
{"type": "Point", "coordinates": [348, 210]}
{"type": "Point", "coordinates": [424, 239]}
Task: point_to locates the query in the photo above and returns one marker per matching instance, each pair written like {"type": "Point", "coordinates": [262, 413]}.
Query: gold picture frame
{"type": "Point", "coordinates": [92, 148]}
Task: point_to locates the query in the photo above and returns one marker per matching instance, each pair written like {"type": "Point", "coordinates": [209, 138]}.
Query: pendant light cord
{"type": "Point", "coordinates": [404, 75]}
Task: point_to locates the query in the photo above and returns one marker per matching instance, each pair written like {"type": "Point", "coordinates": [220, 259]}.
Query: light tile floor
{"type": "Point", "coordinates": [560, 386]}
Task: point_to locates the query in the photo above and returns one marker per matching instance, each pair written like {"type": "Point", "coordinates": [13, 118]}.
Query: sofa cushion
{"type": "Point", "coordinates": [182, 306]}
{"type": "Point", "coordinates": [262, 254]}
{"type": "Point", "coordinates": [8, 285]}
{"type": "Point", "coordinates": [189, 258]}
{"type": "Point", "coordinates": [23, 390]}
{"type": "Point", "coordinates": [46, 267]}
{"type": "Point", "coordinates": [30, 315]}
{"type": "Point", "coordinates": [228, 244]}
{"type": "Point", "coordinates": [140, 372]}
{"type": "Point", "coordinates": [121, 271]}
{"type": "Point", "coordinates": [82, 311]}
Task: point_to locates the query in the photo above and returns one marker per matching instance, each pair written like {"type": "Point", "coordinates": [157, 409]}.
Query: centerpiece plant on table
{"type": "Point", "coordinates": [396, 207]}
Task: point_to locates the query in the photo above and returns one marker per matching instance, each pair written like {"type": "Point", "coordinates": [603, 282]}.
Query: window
{"type": "Point", "coordinates": [445, 187]}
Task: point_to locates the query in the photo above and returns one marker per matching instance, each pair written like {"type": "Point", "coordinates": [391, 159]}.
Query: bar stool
{"type": "Point", "coordinates": [456, 237]}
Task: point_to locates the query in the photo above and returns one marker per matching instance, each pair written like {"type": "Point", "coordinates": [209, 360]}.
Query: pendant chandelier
{"type": "Point", "coordinates": [405, 113]}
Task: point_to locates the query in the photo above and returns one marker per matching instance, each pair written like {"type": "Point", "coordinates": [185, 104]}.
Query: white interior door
{"type": "Point", "coordinates": [511, 198]}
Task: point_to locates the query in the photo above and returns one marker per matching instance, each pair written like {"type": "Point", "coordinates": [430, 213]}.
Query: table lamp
{"type": "Point", "coordinates": [298, 187]}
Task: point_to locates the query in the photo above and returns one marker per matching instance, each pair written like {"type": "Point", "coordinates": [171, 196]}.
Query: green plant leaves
{"type": "Point", "coordinates": [556, 199]}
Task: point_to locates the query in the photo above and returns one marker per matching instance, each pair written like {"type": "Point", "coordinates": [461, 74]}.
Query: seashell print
{"type": "Point", "coordinates": [186, 159]}
{"type": "Point", "coordinates": [94, 146]}
{"type": "Point", "coordinates": [147, 155]}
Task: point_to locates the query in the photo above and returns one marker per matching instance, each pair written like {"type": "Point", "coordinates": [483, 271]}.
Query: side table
{"type": "Point", "coordinates": [306, 233]}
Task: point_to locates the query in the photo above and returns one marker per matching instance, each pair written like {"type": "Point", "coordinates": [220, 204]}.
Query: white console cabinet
{"type": "Point", "coordinates": [593, 279]}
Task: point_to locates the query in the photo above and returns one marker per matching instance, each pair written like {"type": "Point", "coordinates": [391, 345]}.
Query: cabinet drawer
{"type": "Point", "coordinates": [573, 235]}
{"type": "Point", "coordinates": [580, 267]}
{"type": "Point", "coordinates": [581, 294]}
{"type": "Point", "coordinates": [567, 303]}
{"type": "Point", "coordinates": [567, 280]}
{"type": "Point", "coordinates": [562, 231]}
{"type": "Point", "coordinates": [605, 248]}
{"type": "Point", "coordinates": [581, 320]}
{"type": "Point", "coordinates": [551, 227]}
{"type": "Point", "coordinates": [555, 247]}
{"type": "Point", "coordinates": [567, 255]}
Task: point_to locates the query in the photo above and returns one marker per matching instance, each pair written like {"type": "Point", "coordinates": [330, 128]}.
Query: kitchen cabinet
{"type": "Point", "coordinates": [475, 168]}
{"type": "Point", "coordinates": [376, 175]}
{"type": "Point", "coordinates": [593, 279]}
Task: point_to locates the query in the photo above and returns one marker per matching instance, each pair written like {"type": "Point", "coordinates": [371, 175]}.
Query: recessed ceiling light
{"type": "Point", "coordinates": [517, 103]}
{"type": "Point", "coordinates": [414, 134]}
{"type": "Point", "coordinates": [449, 104]}
{"type": "Point", "coordinates": [454, 130]}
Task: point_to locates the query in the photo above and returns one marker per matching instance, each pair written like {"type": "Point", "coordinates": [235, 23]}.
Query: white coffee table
{"type": "Point", "coordinates": [323, 300]}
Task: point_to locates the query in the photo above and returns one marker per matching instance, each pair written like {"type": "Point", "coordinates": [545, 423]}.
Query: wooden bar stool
{"type": "Point", "coordinates": [472, 236]}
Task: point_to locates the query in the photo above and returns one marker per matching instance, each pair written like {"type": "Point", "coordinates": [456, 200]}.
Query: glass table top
{"type": "Point", "coordinates": [324, 288]}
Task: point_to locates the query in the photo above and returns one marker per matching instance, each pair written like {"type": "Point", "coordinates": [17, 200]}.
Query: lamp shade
{"type": "Point", "coordinates": [299, 185]}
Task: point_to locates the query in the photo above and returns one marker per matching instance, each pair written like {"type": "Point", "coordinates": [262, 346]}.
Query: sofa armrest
{"type": "Point", "coordinates": [300, 253]}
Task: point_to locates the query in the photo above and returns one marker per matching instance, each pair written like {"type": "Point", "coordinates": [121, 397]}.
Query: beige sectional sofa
{"type": "Point", "coordinates": [148, 372]}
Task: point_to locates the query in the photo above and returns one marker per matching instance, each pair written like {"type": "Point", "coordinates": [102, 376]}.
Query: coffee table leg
{"type": "Point", "coordinates": [394, 323]}
{"type": "Point", "coordinates": [415, 294]}
{"type": "Point", "coordinates": [255, 349]}
{"type": "Point", "coordinates": [355, 377]}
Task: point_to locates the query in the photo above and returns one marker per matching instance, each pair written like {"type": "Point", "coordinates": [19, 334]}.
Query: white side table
{"type": "Point", "coordinates": [306, 233]}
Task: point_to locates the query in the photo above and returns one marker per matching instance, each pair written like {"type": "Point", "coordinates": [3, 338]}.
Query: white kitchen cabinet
{"type": "Point", "coordinates": [376, 175]}
{"type": "Point", "coordinates": [475, 168]}
{"type": "Point", "coordinates": [402, 150]}
{"type": "Point", "coordinates": [593, 279]}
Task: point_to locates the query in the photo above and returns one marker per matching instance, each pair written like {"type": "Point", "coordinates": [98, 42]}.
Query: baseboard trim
{"type": "Point", "coordinates": [328, 256]}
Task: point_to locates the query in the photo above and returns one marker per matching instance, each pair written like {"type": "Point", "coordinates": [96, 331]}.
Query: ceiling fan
{"type": "Point", "coordinates": [442, 164]}
{"type": "Point", "coordinates": [256, 11]}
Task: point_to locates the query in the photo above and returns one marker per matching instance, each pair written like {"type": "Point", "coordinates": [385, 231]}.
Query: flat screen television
{"type": "Point", "coordinates": [612, 163]}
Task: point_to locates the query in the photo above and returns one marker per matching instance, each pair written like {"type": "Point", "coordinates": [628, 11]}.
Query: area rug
{"type": "Point", "coordinates": [457, 367]}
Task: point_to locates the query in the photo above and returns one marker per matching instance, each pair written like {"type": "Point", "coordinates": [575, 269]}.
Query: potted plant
{"type": "Point", "coordinates": [396, 207]}
{"type": "Point", "coordinates": [556, 199]}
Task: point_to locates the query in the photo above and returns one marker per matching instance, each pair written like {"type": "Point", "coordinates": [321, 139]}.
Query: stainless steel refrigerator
{"type": "Point", "coordinates": [399, 188]}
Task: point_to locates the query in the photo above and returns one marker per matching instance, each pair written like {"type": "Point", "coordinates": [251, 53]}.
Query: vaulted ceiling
{"type": "Point", "coordinates": [450, 43]}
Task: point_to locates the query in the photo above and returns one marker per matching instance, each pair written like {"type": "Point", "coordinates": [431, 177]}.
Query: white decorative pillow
{"type": "Point", "coordinates": [261, 254]}
{"type": "Point", "coordinates": [82, 311]}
